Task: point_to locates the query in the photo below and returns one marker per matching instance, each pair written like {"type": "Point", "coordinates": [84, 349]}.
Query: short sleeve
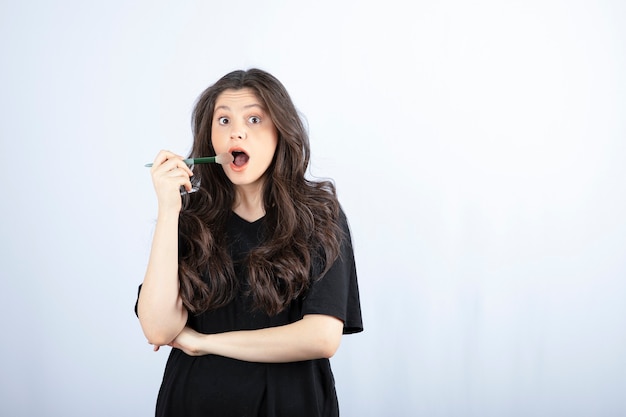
{"type": "Point", "coordinates": [137, 300]}
{"type": "Point", "coordinates": [337, 292]}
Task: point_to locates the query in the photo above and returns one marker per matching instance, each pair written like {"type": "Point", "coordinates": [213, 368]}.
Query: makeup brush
{"type": "Point", "coordinates": [222, 159]}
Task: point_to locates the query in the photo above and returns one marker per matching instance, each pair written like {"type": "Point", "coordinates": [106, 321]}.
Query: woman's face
{"type": "Point", "coordinates": [242, 127]}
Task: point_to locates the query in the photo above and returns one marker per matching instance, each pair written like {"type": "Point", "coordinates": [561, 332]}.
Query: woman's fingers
{"type": "Point", "coordinates": [175, 177]}
{"type": "Point", "coordinates": [169, 173]}
{"type": "Point", "coordinates": [162, 157]}
{"type": "Point", "coordinates": [182, 175]}
{"type": "Point", "coordinates": [176, 163]}
{"type": "Point", "coordinates": [167, 161]}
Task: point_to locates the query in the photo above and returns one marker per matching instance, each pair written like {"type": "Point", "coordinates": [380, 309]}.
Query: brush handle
{"type": "Point", "coordinates": [194, 161]}
{"type": "Point", "coordinates": [202, 160]}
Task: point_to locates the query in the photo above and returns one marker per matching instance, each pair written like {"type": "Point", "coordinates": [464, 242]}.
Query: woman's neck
{"type": "Point", "coordinates": [249, 203]}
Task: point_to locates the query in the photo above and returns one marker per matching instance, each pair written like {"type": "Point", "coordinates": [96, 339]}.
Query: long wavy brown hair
{"type": "Point", "coordinates": [303, 232]}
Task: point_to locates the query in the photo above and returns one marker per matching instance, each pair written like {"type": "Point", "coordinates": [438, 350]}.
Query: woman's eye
{"type": "Point", "coordinates": [223, 120]}
{"type": "Point", "coordinates": [254, 119]}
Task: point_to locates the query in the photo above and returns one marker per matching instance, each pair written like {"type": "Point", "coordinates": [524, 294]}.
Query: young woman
{"type": "Point", "coordinates": [251, 279]}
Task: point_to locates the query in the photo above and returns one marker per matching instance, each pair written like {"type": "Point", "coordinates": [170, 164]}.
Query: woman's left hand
{"type": "Point", "coordinates": [190, 342]}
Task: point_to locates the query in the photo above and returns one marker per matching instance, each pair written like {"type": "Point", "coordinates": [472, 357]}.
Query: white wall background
{"type": "Point", "coordinates": [478, 149]}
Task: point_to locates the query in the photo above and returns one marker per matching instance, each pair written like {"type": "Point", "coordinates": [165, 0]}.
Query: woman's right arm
{"type": "Point", "coordinates": [160, 308]}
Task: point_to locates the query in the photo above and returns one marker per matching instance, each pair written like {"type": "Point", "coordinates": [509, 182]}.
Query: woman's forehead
{"type": "Point", "coordinates": [238, 97]}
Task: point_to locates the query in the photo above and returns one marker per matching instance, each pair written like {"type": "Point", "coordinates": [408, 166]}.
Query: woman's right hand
{"type": "Point", "coordinates": [169, 173]}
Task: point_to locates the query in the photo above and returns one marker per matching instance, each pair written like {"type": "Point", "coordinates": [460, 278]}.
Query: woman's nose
{"type": "Point", "coordinates": [238, 133]}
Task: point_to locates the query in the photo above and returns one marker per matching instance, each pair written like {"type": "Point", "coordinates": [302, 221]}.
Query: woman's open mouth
{"type": "Point", "coordinates": [240, 158]}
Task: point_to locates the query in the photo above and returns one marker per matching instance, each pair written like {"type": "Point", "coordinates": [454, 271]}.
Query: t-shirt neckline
{"type": "Point", "coordinates": [250, 223]}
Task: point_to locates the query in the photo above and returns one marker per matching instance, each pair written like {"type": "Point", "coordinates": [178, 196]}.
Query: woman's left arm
{"type": "Point", "coordinates": [315, 336]}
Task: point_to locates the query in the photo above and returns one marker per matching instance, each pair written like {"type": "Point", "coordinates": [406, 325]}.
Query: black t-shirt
{"type": "Point", "coordinates": [213, 385]}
